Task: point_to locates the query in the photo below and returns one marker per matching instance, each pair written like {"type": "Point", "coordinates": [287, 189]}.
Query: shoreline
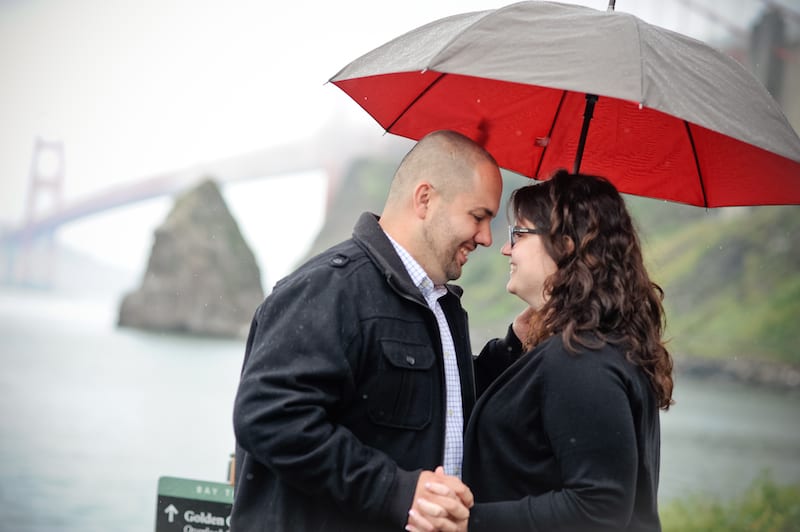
{"type": "Point", "coordinates": [774, 375]}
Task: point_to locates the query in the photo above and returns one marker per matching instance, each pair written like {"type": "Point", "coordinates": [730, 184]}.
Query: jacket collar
{"type": "Point", "coordinates": [370, 236]}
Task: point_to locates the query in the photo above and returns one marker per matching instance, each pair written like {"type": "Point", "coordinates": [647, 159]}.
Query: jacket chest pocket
{"type": "Point", "coordinates": [402, 395]}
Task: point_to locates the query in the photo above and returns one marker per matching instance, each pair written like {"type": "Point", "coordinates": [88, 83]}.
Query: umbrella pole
{"type": "Point", "coordinates": [588, 112]}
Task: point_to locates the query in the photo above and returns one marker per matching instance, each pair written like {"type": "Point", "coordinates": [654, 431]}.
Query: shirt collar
{"type": "Point", "coordinates": [416, 272]}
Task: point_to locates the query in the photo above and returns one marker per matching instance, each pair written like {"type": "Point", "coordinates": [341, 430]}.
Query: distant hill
{"type": "Point", "coordinates": [77, 274]}
{"type": "Point", "coordinates": [731, 276]}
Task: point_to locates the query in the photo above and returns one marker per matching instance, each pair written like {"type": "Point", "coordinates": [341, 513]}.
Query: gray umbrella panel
{"type": "Point", "coordinates": [610, 54]}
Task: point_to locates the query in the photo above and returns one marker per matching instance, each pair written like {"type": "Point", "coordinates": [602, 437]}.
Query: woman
{"type": "Point", "coordinates": [568, 437]}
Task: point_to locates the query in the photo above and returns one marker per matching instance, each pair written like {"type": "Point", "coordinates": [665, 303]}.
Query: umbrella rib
{"type": "Point", "coordinates": [550, 133]}
{"type": "Point", "coordinates": [415, 100]}
{"type": "Point", "coordinates": [696, 163]}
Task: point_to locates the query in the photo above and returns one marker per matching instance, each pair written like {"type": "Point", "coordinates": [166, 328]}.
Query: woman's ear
{"type": "Point", "coordinates": [569, 244]}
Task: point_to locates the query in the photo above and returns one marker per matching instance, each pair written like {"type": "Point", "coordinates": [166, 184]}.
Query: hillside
{"type": "Point", "coordinates": [731, 276]}
{"type": "Point", "coordinates": [732, 283]}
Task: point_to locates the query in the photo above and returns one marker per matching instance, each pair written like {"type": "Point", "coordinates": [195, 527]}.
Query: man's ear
{"type": "Point", "coordinates": [423, 194]}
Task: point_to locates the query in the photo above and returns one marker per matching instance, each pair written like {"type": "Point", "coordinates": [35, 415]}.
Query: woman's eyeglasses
{"type": "Point", "coordinates": [515, 230]}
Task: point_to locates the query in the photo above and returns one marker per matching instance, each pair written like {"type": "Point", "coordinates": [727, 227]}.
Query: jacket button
{"type": "Point", "coordinates": [339, 260]}
{"type": "Point", "coordinates": [411, 361]}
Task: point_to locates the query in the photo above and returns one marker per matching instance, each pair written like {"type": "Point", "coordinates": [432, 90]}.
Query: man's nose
{"type": "Point", "coordinates": [484, 236]}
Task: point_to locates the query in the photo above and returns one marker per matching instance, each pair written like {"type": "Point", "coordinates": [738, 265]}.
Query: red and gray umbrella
{"type": "Point", "coordinates": [545, 86]}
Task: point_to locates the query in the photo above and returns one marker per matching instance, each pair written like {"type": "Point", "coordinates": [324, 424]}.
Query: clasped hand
{"type": "Point", "coordinates": [441, 503]}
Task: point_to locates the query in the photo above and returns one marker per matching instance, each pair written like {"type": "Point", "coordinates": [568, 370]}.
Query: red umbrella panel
{"type": "Point", "coordinates": [534, 130]}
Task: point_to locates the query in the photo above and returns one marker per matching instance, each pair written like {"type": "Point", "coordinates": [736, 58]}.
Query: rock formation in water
{"type": "Point", "coordinates": [202, 278]}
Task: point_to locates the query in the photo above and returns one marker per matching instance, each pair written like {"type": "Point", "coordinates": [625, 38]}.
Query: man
{"type": "Point", "coordinates": [357, 379]}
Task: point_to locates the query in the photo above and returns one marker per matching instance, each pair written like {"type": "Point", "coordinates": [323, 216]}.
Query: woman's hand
{"type": "Point", "coordinates": [441, 503]}
{"type": "Point", "coordinates": [522, 324]}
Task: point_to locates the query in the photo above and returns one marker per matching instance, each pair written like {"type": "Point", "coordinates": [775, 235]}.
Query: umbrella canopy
{"type": "Point", "coordinates": [674, 118]}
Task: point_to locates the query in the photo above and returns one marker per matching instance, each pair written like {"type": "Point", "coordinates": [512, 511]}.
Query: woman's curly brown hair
{"type": "Point", "coordinates": [601, 291]}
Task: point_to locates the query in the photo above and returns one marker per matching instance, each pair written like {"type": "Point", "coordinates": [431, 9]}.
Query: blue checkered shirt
{"type": "Point", "coordinates": [454, 417]}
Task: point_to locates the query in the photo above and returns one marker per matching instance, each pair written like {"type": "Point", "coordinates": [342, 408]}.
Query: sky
{"type": "Point", "coordinates": [132, 89]}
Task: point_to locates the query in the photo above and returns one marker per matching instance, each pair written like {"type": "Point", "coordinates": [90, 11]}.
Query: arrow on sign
{"type": "Point", "coordinates": [171, 511]}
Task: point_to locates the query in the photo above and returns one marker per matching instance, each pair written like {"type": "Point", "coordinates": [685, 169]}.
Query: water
{"type": "Point", "coordinates": [721, 435]}
{"type": "Point", "coordinates": [91, 416]}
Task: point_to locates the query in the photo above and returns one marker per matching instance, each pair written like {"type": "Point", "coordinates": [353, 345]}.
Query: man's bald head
{"type": "Point", "coordinates": [445, 159]}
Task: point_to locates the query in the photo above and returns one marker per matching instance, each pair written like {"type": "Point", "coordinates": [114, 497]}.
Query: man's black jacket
{"type": "Point", "coordinates": [341, 400]}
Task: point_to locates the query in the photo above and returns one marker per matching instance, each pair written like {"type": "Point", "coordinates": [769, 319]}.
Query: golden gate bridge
{"type": "Point", "coordinates": [27, 250]}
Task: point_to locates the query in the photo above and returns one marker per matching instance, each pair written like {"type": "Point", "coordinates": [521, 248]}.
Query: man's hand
{"type": "Point", "coordinates": [441, 503]}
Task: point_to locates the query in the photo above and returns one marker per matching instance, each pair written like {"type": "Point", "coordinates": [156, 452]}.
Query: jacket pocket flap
{"type": "Point", "coordinates": [407, 356]}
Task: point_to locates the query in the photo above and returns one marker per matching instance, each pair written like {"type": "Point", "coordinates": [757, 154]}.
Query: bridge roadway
{"type": "Point", "coordinates": [273, 161]}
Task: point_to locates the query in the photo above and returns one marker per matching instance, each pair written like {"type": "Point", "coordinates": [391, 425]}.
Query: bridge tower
{"type": "Point", "coordinates": [36, 254]}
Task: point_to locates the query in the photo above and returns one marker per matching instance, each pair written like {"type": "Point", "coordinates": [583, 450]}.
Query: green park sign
{"type": "Point", "coordinates": [188, 505]}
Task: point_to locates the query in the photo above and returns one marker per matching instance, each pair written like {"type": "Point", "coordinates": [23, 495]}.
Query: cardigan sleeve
{"type": "Point", "coordinates": [587, 419]}
{"type": "Point", "coordinates": [497, 355]}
